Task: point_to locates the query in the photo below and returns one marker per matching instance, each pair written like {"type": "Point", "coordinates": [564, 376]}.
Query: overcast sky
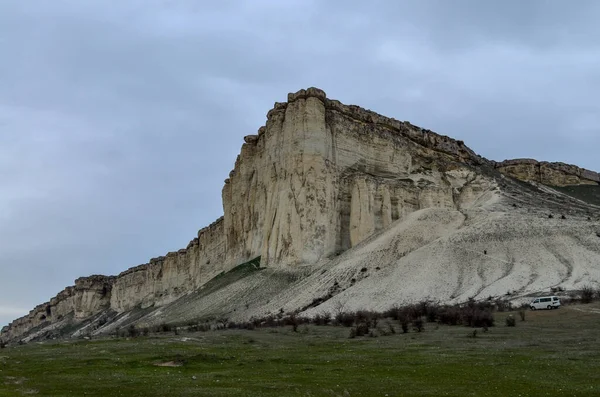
{"type": "Point", "coordinates": [120, 120]}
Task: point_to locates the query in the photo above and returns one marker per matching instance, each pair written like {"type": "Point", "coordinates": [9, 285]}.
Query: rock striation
{"type": "Point", "coordinates": [89, 296]}
{"type": "Point", "coordinates": [318, 179]}
{"type": "Point", "coordinates": [553, 174]}
{"type": "Point", "coordinates": [321, 176]}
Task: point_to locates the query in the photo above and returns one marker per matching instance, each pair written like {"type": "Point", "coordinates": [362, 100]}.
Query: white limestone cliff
{"type": "Point", "coordinates": [318, 179]}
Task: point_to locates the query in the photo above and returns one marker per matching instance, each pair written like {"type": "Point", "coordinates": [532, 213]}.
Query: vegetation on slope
{"type": "Point", "coordinates": [588, 193]}
{"type": "Point", "coordinates": [233, 275]}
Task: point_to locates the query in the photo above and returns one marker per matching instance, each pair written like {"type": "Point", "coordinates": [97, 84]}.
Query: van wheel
{"type": "Point", "coordinates": [549, 307]}
{"type": "Point", "coordinates": [532, 307]}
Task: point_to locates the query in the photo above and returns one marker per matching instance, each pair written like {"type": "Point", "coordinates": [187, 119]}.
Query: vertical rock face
{"type": "Point", "coordinates": [553, 174]}
{"type": "Point", "coordinates": [166, 278]}
{"type": "Point", "coordinates": [319, 178]}
{"type": "Point", "coordinates": [301, 192]}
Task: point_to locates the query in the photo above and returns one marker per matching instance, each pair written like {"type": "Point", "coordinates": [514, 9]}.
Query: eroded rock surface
{"type": "Point", "coordinates": [89, 295]}
{"type": "Point", "coordinates": [553, 174]}
{"type": "Point", "coordinates": [318, 179]}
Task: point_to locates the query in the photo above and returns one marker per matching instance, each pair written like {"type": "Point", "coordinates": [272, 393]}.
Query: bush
{"type": "Point", "coordinates": [418, 325]}
{"type": "Point", "coordinates": [352, 333]}
{"type": "Point", "coordinates": [363, 322]}
{"type": "Point", "coordinates": [318, 320]}
{"type": "Point", "coordinates": [502, 305]}
{"type": "Point", "coordinates": [345, 319]}
{"type": "Point", "coordinates": [249, 325]}
{"type": "Point", "coordinates": [421, 309]}
{"type": "Point", "coordinates": [510, 321]}
{"type": "Point", "coordinates": [483, 318]}
{"type": "Point", "coordinates": [391, 328]}
{"type": "Point", "coordinates": [2, 344]}
{"type": "Point", "coordinates": [474, 316]}
{"type": "Point", "coordinates": [587, 294]}
{"type": "Point", "coordinates": [132, 331]}
{"type": "Point", "coordinates": [393, 312]}
{"type": "Point", "coordinates": [292, 320]}
{"type": "Point", "coordinates": [270, 321]}
{"type": "Point", "coordinates": [449, 315]}
{"type": "Point", "coordinates": [367, 317]}
{"type": "Point", "coordinates": [404, 325]}
{"type": "Point", "coordinates": [362, 329]}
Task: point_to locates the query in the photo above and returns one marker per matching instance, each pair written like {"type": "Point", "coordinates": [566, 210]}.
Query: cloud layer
{"type": "Point", "coordinates": [119, 122]}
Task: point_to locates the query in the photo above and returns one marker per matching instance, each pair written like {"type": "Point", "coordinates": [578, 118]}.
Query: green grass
{"type": "Point", "coordinates": [588, 193]}
{"type": "Point", "coordinates": [225, 278]}
{"type": "Point", "coordinates": [552, 353]}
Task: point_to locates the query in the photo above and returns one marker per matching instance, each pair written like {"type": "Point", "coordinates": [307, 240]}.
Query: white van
{"type": "Point", "coordinates": [545, 302]}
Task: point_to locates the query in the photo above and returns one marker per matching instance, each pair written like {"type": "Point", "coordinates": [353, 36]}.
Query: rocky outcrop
{"type": "Point", "coordinates": [317, 179]}
{"type": "Point", "coordinates": [322, 176]}
{"type": "Point", "coordinates": [553, 174]}
{"type": "Point", "coordinates": [89, 296]}
{"type": "Point", "coordinates": [166, 278]}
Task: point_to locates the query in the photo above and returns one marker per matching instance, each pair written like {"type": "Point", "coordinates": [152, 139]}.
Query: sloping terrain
{"type": "Point", "coordinates": [333, 207]}
{"type": "Point", "coordinates": [499, 248]}
{"type": "Point", "coordinates": [587, 193]}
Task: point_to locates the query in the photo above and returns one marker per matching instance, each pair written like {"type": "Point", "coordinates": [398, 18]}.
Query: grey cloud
{"type": "Point", "coordinates": [118, 123]}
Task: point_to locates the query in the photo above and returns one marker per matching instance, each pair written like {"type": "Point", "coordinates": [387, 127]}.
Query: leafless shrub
{"type": "Point", "coordinates": [132, 331]}
{"type": "Point", "coordinates": [587, 294]}
{"type": "Point", "coordinates": [404, 325]}
{"type": "Point", "coordinates": [418, 325]}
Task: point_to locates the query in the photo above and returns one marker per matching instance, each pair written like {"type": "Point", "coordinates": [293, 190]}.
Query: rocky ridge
{"type": "Point", "coordinates": [553, 174]}
{"type": "Point", "coordinates": [320, 179]}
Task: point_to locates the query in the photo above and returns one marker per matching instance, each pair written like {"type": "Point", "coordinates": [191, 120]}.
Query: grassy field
{"type": "Point", "coordinates": [552, 353]}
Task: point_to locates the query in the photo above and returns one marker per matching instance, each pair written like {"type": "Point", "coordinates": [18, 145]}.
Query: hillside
{"type": "Point", "coordinates": [337, 206]}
